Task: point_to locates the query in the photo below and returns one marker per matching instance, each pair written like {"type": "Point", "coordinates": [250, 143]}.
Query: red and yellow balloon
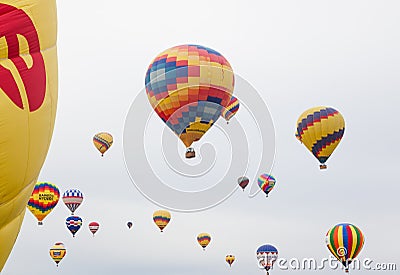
{"type": "Point", "coordinates": [28, 101]}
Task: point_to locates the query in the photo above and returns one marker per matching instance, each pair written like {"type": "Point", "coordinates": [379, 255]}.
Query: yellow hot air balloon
{"type": "Point", "coordinates": [44, 198]}
{"type": "Point", "coordinates": [57, 252]}
{"type": "Point", "coordinates": [204, 239]}
{"type": "Point", "coordinates": [28, 103]}
{"type": "Point", "coordinates": [230, 259]}
{"type": "Point", "coordinates": [102, 141]}
{"type": "Point", "coordinates": [161, 218]}
{"type": "Point", "coordinates": [320, 129]}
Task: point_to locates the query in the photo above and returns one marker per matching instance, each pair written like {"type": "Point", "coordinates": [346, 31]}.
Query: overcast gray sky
{"type": "Point", "coordinates": [297, 54]}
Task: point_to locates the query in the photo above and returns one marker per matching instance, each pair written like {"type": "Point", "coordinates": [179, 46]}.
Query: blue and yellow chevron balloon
{"type": "Point", "coordinates": [320, 129]}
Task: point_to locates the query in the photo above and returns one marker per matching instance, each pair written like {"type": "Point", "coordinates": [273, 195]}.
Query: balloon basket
{"type": "Point", "coordinates": [323, 166]}
{"type": "Point", "coordinates": [40, 223]}
{"type": "Point", "coordinates": [190, 153]}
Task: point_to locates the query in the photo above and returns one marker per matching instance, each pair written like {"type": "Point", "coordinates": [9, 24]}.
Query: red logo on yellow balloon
{"type": "Point", "coordinates": [13, 23]}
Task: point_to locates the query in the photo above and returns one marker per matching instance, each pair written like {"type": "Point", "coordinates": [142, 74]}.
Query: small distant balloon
{"type": "Point", "coordinates": [57, 252]}
{"type": "Point", "coordinates": [93, 227]}
{"type": "Point", "coordinates": [243, 182]}
{"type": "Point", "coordinates": [204, 239]}
{"type": "Point", "coordinates": [161, 218]}
{"type": "Point", "coordinates": [129, 224]}
{"type": "Point", "coordinates": [231, 109]}
{"type": "Point", "coordinates": [72, 198]}
{"type": "Point", "coordinates": [73, 223]}
{"type": "Point", "coordinates": [230, 259]}
{"type": "Point", "coordinates": [266, 183]}
{"type": "Point", "coordinates": [266, 256]}
{"type": "Point", "coordinates": [44, 198]}
{"type": "Point", "coordinates": [103, 141]}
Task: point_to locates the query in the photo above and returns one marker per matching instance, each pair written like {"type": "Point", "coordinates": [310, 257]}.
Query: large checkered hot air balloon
{"type": "Point", "coordinates": [188, 86]}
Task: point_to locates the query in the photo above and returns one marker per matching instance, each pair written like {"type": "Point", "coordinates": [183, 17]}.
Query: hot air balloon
{"type": "Point", "coordinates": [266, 256]}
{"type": "Point", "coordinates": [44, 198]}
{"type": "Point", "coordinates": [188, 86]}
{"type": "Point", "coordinates": [203, 239]}
{"type": "Point", "coordinates": [93, 227]}
{"type": "Point", "coordinates": [72, 199]}
{"type": "Point", "coordinates": [102, 141]}
{"type": "Point", "coordinates": [266, 183]}
{"type": "Point", "coordinates": [129, 224]}
{"type": "Point", "coordinates": [231, 109]}
{"type": "Point", "coordinates": [243, 182]}
{"type": "Point", "coordinates": [73, 223]}
{"type": "Point", "coordinates": [345, 242]}
{"type": "Point", "coordinates": [57, 252]}
{"type": "Point", "coordinates": [230, 259]}
{"type": "Point", "coordinates": [28, 104]}
{"type": "Point", "coordinates": [320, 129]}
{"type": "Point", "coordinates": [161, 218]}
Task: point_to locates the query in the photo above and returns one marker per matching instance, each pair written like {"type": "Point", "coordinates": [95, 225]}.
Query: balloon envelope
{"type": "Point", "coordinates": [266, 183]}
{"type": "Point", "coordinates": [57, 252]}
{"type": "Point", "coordinates": [203, 239]}
{"type": "Point", "coordinates": [187, 86]}
{"type": "Point", "coordinates": [266, 255]}
{"type": "Point", "coordinates": [72, 198]}
{"type": "Point", "coordinates": [44, 198]}
{"type": "Point", "coordinates": [28, 104]}
{"type": "Point", "coordinates": [93, 227]}
{"type": "Point", "coordinates": [231, 109]}
{"type": "Point", "coordinates": [320, 129]}
{"type": "Point", "coordinates": [103, 141]}
{"type": "Point", "coordinates": [243, 182]}
{"type": "Point", "coordinates": [345, 242]}
{"type": "Point", "coordinates": [230, 259]}
{"type": "Point", "coordinates": [73, 223]}
{"type": "Point", "coordinates": [129, 224]}
{"type": "Point", "coordinates": [161, 218]}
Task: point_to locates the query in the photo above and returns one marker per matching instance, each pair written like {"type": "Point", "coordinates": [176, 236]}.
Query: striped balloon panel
{"type": "Point", "coordinates": [345, 242]}
{"type": "Point", "coordinates": [320, 129]}
{"type": "Point", "coordinates": [44, 198]}
{"type": "Point", "coordinates": [266, 183]}
{"type": "Point", "coordinates": [231, 109]}
{"type": "Point", "coordinates": [204, 239]}
{"type": "Point", "coordinates": [188, 75]}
